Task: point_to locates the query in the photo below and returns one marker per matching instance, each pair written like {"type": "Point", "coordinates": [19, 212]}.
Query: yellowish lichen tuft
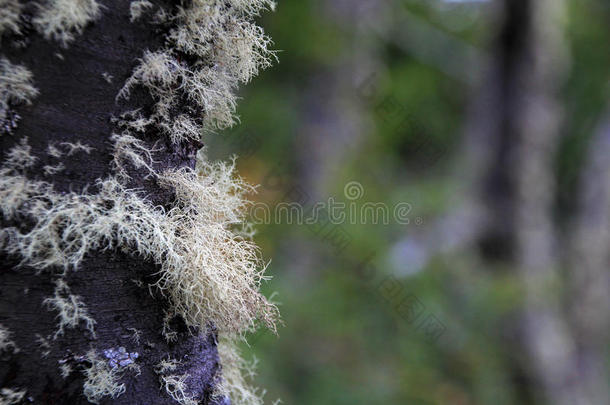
{"type": "Point", "coordinates": [137, 8]}
{"type": "Point", "coordinates": [209, 273]}
{"type": "Point", "coordinates": [71, 309]}
{"type": "Point", "coordinates": [174, 384]}
{"type": "Point", "coordinates": [10, 12]}
{"type": "Point", "coordinates": [65, 370]}
{"type": "Point", "coordinates": [229, 48]}
{"type": "Point", "coordinates": [62, 20]}
{"type": "Point", "coordinates": [16, 86]}
{"type": "Point", "coordinates": [100, 379]}
{"type": "Point", "coordinates": [237, 374]}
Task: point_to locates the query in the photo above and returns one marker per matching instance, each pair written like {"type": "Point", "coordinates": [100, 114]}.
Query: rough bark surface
{"type": "Point", "coordinates": [76, 103]}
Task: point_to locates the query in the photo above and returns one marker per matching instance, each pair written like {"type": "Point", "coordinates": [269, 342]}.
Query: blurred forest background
{"type": "Point", "coordinates": [491, 121]}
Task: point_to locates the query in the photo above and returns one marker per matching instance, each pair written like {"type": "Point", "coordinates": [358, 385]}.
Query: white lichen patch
{"type": "Point", "coordinates": [10, 12]}
{"type": "Point", "coordinates": [74, 147]}
{"type": "Point", "coordinates": [43, 344]}
{"type": "Point", "coordinates": [53, 150]}
{"type": "Point", "coordinates": [237, 374]}
{"type": "Point", "coordinates": [176, 387]}
{"type": "Point", "coordinates": [168, 333]}
{"type": "Point", "coordinates": [101, 380]}
{"type": "Point", "coordinates": [65, 370]}
{"type": "Point", "coordinates": [166, 365]}
{"type": "Point", "coordinates": [16, 86]}
{"type": "Point", "coordinates": [136, 335]}
{"type": "Point", "coordinates": [71, 308]}
{"type": "Point", "coordinates": [137, 8]}
{"type": "Point", "coordinates": [50, 170]}
{"type": "Point", "coordinates": [130, 150]}
{"type": "Point", "coordinates": [11, 396]}
{"type": "Point", "coordinates": [107, 77]}
{"type": "Point", "coordinates": [174, 384]}
{"type": "Point", "coordinates": [62, 20]}
{"type": "Point", "coordinates": [6, 343]}
{"type": "Point", "coordinates": [230, 49]}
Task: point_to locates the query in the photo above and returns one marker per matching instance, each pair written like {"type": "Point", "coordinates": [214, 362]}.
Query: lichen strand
{"type": "Point", "coordinates": [213, 47]}
{"type": "Point", "coordinates": [137, 8]}
{"type": "Point", "coordinates": [71, 309]}
{"type": "Point", "coordinates": [10, 12]}
{"type": "Point", "coordinates": [100, 379]}
{"type": "Point", "coordinates": [6, 343]}
{"type": "Point", "coordinates": [11, 396]}
{"type": "Point", "coordinates": [236, 373]}
{"type": "Point", "coordinates": [62, 20]}
{"type": "Point", "coordinates": [16, 87]}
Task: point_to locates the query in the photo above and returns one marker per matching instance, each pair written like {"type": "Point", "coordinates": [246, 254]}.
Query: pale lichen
{"type": "Point", "coordinates": [71, 309]}
{"type": "Point", "coordinates": [229, 49]}
{"type": "Point", "coordinates": [11, 396]}
{"type": "Point", "coordinates": [65, 370]}
{"type": "Point", "coordinates": [62, 20]}
{"type": "Point", "coordinates": [137, 8]}
{"type": "Point", "coordinates": [10, 13]}
{"type": "Point", "coordinates": [237, 374]}
{"type": "Point", "coordinates": [50, 170]}
{"type": "Point", "coordinates": [6, 343]}
{"type": "Point", "coordinates": [176, 387]}
{"type": "Point", "coordinates": [74, 147]}
{"type": "Point", "coordinates": [209, 273]}
{"type": "Point", "coordinates": [174, 384]}
{"type": "Point", "coordinates": [43, 344]}
{"type": "Point", "coordinates": [100, 379]}
{"type": "Point", "coordinates": [16, 86]}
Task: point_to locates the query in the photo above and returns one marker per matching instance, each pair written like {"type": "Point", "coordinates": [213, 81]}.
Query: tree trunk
{"type": "Point", "coordinates": [77, 89]}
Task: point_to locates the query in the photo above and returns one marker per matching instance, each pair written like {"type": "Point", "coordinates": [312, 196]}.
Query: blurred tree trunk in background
{"type": "Point", "coordinates": [517, 129]}
{"type": "Point", "coordinates": [506, 205]}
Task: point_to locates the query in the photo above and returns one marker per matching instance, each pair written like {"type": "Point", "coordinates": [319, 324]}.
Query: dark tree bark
{"type": "Point", "coordinates": [76, 103]}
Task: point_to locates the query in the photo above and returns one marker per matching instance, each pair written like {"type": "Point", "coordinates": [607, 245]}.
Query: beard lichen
{"type": "Point", "coordinates": [62, 20]}
{"type": "Point", "coordinates": [100, 379]}
{"type": "Point", "coordinates": [224, 47]}
{"type": "Point", "coordinates": [16, 87]}
{"type": "Point", "coordinates": [71, 309]}
{"type": "Point", "coordinates": [208, 272]}
{"type": "Point", "coordinates": [11, 396]}
{"type": "Point", "coordinates": [10, 13]}
{"type": "Point", "coordinates": [6, 343]}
